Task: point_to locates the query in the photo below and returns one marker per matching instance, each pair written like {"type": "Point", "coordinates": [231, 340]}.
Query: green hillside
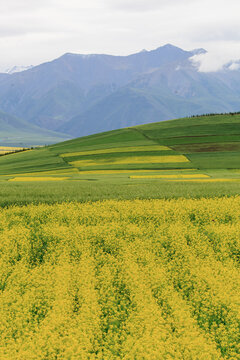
{"type": "Point", "coordinates": [190, 157]}
{"type": "Point", "coordinates": [206, 143]}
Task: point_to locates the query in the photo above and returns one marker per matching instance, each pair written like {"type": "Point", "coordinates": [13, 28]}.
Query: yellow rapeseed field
{"type": "Point", "coordinates": [64, 172]}
{"type": "Point", "coordinates": [3, 152]}
{"type": "Point", "coordinates": [133, 160]}
{"type": "Point", "coordinates": [206, 180]}
{"type": "Point", "coordinates": [124, 149]}
{"type": "Point", "coordinates": [179, 176]}
{"type": "Point", "coordinates": [142, 279]}
{"type": "Point", "coordinates": [38, 178]}
{"type": "Point", "coordinates": [106, 172]}
{"type": "Point", "coordinates": [10, 148]}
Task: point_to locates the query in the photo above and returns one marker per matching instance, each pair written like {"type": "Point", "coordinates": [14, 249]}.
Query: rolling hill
{"type": "Point", "coordinates": [199, 148]}
{"type": "Point", "coordinates": [14, 131]}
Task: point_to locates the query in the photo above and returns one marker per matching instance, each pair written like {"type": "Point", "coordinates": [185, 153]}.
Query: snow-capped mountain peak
{"type": "Point", "coordinates": [16, 69]}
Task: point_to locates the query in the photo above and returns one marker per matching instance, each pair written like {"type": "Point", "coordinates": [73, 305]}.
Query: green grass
{"type": "Point", "coordinates": [219, 160]}
{"type": "Point", "coordinates": [207, 147]}
{"type": "Point", "coordinates": [114, 188]}
{"type": "Point", "coordinates": [29, 161]}
{"type": "Point", "coordinates": [210, 143]}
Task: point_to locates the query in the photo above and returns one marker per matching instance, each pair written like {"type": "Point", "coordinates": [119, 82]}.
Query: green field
{"type": "Point", "coordinates": [189, 157]}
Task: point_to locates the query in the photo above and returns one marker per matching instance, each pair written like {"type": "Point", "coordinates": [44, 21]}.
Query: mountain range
{"type": "Point", "coordinates": [77, 95]}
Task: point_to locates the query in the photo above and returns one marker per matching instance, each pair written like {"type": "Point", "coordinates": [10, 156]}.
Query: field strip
{"type": "Point", "coordinates": [118, 150]}
{"type": "Point", "coordinates": [205, 180]}
{"type": "Point", "coordinates": [134, 160]}
{"type": "Point", "coordinates": [180, 176]}
{"type": "Point", "coordinates": [106, 172]}
{"type": "Point", "coordinates": [64, 172]}
{"type": "Point", "coordinates": [3, 152]}
{"type": "Point", "coordinates": [10, 148]}
{"type": "Point", "coordinates": [39, 178]}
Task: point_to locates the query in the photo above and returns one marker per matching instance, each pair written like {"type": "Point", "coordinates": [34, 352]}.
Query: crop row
{"type": "Point", "coordinates": [143, 279]}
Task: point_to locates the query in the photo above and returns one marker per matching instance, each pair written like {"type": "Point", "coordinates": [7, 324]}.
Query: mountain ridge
{"type": "Point", "coordinates": [83, 94]}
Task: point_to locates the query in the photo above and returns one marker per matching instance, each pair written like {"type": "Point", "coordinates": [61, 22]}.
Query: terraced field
{"type": "Point", "coordinates": [200, 150]}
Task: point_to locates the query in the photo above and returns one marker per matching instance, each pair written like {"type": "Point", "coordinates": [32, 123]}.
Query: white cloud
{"type": "Point", "coordinates": [220, 54]}
{"type": "Point", "coordinates": [143, 5]}
{"type": "Point", "coordinates": [207, 62]}
{"type": "Point", "coordinates": [234, 66]}
{"type": "Point", "coordinates": [138, 5]}
{"type": "Point", "coordinates": [16, 6]}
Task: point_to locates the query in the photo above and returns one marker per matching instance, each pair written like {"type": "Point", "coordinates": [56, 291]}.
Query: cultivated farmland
{"type": "Point", "coordinates": [168, 159]}
{"type": "Point", "coordinates": [142, 279]}
{"type": "Point", "coordinates": [203, 148]}
{"type": "Point", "coordinates": [123, 245]}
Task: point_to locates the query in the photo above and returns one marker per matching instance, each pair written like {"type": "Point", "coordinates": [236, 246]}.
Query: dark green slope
{"type": "Point", "coordinates": [209, 142]}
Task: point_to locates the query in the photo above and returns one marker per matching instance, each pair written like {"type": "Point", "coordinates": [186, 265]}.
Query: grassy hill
{"type": "Point", "coordinates": [193, 153]}
{"type": "Point", "coordinates": [203, 143]}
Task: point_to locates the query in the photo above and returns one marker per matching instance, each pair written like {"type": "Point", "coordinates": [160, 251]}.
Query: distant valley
{"type": "Point", "coordinates": [77, 95]}
{"type": "Point", "coordinates": [17, 132]}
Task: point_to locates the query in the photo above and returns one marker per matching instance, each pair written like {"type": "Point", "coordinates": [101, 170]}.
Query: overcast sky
{"type": "Point", "coordinates": [34, 31]}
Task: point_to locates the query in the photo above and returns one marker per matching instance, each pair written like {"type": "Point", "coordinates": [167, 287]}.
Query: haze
{"type": "Point", "coordinates": [32, 32]}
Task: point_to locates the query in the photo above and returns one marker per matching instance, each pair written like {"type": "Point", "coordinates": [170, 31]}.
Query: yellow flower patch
{"type": "Point", "coordinates": [207, 180]}
{"type": "Point", "coordinates": [64, 172]}
{"type": "Point", "coordinates": [133, 160]}
{"type": "Point", "coordinates": [182, 176]}
{"type": "Point", "coordinates": [37, 178]}
{"type": "Point", "coordinates": [10, 148]}
{"type": "Point", "coordinates": [118, 150]}
{"type": "Point", "coordinates": [106, 172]}
{"type": "Point", "coordinates": [3, 152]}
{"type": "Point", "coordinates": [141, 279]}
